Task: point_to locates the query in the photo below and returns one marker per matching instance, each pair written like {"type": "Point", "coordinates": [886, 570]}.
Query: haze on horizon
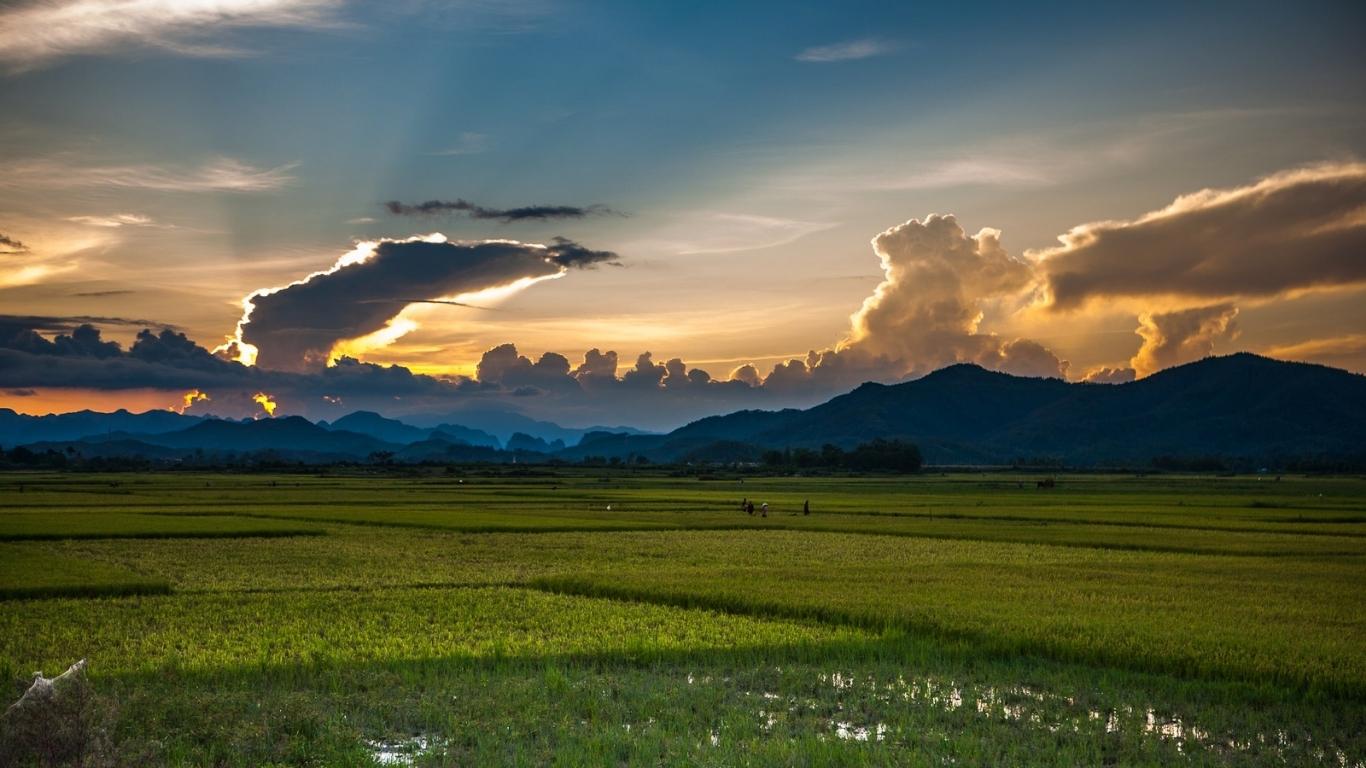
{"type": "Point", "coordinates": [624, 213]}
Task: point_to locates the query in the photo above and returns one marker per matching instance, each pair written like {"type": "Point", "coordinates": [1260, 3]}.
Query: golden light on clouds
{"type": "Point", "coordinates": [396, 329]}
{"type": "Point", "coordinates": [500, 292]}
{"type": "Point", "coordinates": [189, 399]}
{"type": "Point", "coordinates": [266, 402]}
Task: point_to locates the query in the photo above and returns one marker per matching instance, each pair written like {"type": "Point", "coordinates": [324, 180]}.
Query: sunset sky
{"type": "Point", "coordinates": [873, 189]}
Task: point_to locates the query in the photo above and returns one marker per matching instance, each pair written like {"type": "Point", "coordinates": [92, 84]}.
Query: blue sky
{"type": "Point", "coordinates": [754, 150]}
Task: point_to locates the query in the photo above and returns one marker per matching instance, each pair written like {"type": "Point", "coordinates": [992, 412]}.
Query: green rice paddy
{"type": "Point", "coordinates": [590, 618]}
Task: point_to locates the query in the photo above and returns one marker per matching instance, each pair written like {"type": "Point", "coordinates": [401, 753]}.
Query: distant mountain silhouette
{"type": "Point", "coordinates": [395, 431]}
{"type": "Point", "coordinates": [467, 435]}
{"type": "Point", "coordinates": [378, 427]}
{"type": "Point", "coordinates": [16, 428]}
{"type": "Point", "coordinates": [289, 433]}
{"type": "Point", "coordinates": [1240, 407]}
{"type": "Point", "coordinates": [504, 424]}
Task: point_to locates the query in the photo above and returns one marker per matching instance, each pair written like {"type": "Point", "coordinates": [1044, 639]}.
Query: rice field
{"type": "Point", "coordinates": [586, 618]}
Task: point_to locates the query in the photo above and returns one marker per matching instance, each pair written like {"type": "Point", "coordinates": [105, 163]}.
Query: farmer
{"type": "Point", "coordinates": [744, 503]}
{"type": "Point", "coordinates": [765, 509]}
{"type": "Point", "coordinates": [806, 507]}
{"type": "Point", "coordinates": [749, 507]}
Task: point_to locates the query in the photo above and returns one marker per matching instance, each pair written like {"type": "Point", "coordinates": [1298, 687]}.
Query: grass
{"type": "Point", "coordinates": [36, 526]}
{"type": "Point", "coordinates": [1175, 613]}
{"type": "Point", "coordinates": [28, 573]}
{"type": "Point", "coordinates": [516, 620]}
{"type": "Point", "coordinates": [326, 629]}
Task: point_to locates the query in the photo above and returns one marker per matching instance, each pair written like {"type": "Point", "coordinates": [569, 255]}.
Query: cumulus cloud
{"type": "Point", "coordinates": [1294, 230]}
{"type": "Point", "coordinates": [168, 360]}
{"type": "Point", "coordinates": [506, 215]}
{"type": "Point", "coordinates": [927, 309]}
{"type": "Point", "coordinates": [646, 374]}
{"type": "Point", "coordinates": [1108, 375]}
{"type": "Point", "coordinates": [503, 366]}
{"type": "Point", "coordinates": [597, 366]}
{"type": "Point", "coordinates": [1173, 338]}
{"type": "Point", "coordinates": [849, 50]}
{"type": "Point", "coordinates": [925, 314]}
{"type": "Point", "coordinates": [222, 174]}
{"type": "Point", "coordinates": [37, 32]}
{"type": "Point", "coordinates": [748, 375]}
{"type": "Point", "coordinates": [1025, 357]}
{"type": "Point", "coordinates": [10, 245]}
{"type": "Point", "coordinates": [296, 326]}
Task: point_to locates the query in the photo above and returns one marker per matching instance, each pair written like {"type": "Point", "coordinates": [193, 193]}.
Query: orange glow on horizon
{"type": "Point", "coordinates": [50, 400]}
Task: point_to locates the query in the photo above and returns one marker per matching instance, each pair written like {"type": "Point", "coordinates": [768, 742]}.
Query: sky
{"type": "Point", "coordinates": [644, 213]}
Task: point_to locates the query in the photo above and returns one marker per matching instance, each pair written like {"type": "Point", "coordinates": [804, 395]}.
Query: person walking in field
{"type": "Point", "coordinates": [764, 507]}
{"type": "Point", "coordinates": [749, 508]}
{"type": "Point", "coordinates": [744, 504]}
{"type": "Point", "coordinates": [806, 507]}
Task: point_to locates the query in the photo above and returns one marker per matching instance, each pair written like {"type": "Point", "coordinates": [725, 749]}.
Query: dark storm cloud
{"type": "Point", "coordinates": [506, 215]}
{"type": "Point", "coordinates": [296, 327]}
{"type": "Point", "coordinates": [10, 245]}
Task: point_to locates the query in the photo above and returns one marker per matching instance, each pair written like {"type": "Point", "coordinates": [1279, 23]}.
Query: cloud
{"type": "Point", "coordinates": [10, 245]}
{"type": "Point", "coordinates": [51, 324]}
{"type": "Point", "coordinates": [507, 215]}
{"type": "Point", "coordinates": [1025, 357]}
{"type": "Point", "coordinates": [38, 32]}
{"type": "Point", "coordinates": [597, 366]}
{"type": "Point", "coordinates": [925, 314]}
{"type": "Point", "coordinates": [646, 374]}
{"type": "Point", "coordinates": [468, 143]}
{"type": "Point", "coordinates": [975, 171]}
{"type": "Point", "coordinates": [22, 392]}
{"type": "Point", "coordinates": [748, 375]}
{"type": "Point", "coordinates": [1295, 230]}
{"type": "Point", "coordinates": [1173, 338]}
{"type": "Point", "coordinates": [103, 294]}
{"type": "Point", "coordinates": [223, 174]}
{"type": "Point", "coordinates": [170, 361]}
{"type": "Point", "coordinates": [926, 311]}
{"type": "Point", "coordinates": [1106, 375]}
{"type": "Point", "coordinates": [850, 50]}
{"type": "Point", "coordinates": [712, 232]}
{"type": "Point", "coordinates": [298, 325]}
{"type": "Point", "coordinates": [114, 221]}
{"type": "Point", "coordinates": [503, 366]}
{"type": "Point", "coordinates": [200, 382]}
{"type": "Point", "coordinates": [1347, 347]}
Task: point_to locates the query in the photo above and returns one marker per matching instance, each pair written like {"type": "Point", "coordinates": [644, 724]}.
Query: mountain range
{"type": "Point", "coordinates": [1242, 408]}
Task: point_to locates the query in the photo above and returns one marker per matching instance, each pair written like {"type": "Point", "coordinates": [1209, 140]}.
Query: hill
{"type": "Point", "coordinates": [17, 428]}
{"type": "Point", "coordinates": [1240, 407]}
